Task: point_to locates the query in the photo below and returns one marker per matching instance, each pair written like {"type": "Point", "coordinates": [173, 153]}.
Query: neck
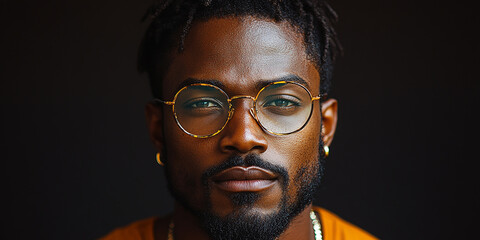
{"type": "Point", "coordinates": [188, 226]}
{"type": "Point", "coordinates": [300, 227]}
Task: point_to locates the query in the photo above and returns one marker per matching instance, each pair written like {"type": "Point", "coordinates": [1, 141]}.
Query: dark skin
{"type": "Point", "coordinates": [240, 53]}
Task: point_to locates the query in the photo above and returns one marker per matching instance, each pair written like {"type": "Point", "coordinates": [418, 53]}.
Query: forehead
{"type": "Point", "coordinates": [240, 53]}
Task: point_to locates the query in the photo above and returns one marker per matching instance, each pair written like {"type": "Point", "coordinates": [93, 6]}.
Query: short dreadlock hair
{"type": "Point", "coordinates": [171, 21]}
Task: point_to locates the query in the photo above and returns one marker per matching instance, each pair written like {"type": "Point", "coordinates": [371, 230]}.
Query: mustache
{"type": "Point", "coordinates": [247, 161]}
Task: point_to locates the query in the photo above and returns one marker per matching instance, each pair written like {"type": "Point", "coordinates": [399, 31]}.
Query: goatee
{"type": "Point", "coordinates": [244, 224]}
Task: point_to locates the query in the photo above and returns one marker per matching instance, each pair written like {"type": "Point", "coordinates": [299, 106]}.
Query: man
{"type": "Point", "coordinates": [241, 119]}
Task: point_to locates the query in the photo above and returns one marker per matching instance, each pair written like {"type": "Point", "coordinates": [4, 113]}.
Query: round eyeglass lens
{"type": "Point", "coordinates": [283, 108]}
{"type": "Point", "coordinates": [201, 110]}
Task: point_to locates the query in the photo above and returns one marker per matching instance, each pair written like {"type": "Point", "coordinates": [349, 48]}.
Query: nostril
{"type": "Point", "coordinates": [230, 148]}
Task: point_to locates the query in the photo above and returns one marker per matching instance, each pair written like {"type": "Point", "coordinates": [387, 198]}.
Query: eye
{"type": "Point", "coordinates": [202, 107]}
{"type": "Point", "coordinates": [203, 104]}
{"type": "Point", "coordinates": [280, 103]}
{"type": "Point", "coordinates": [284, 105]}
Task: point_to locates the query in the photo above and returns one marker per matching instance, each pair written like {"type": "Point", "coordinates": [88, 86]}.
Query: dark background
{"type": "Point", "coordinates": [77, 161]}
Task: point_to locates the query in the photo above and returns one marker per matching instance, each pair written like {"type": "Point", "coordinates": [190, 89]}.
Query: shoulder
{"type": "Point", "coordinates": [335, 228]}
{"type": "Point", "coordinates": [144, 229]}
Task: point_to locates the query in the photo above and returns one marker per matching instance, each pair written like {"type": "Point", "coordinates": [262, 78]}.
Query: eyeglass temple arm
{"type": "Point", "coordinates": [158, 101]}
{"type": "Point", "coordinates": [321, 96]}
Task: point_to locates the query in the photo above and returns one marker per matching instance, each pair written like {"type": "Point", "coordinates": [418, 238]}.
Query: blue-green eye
{"type": "Point", "coordinates": [203, 104]}
{"type": "Point", "coordinates": [280, 103]}
{"type": "Point", "coordinates": [202, 107]}
{"type": "Point", "coordinates": [284, 105]}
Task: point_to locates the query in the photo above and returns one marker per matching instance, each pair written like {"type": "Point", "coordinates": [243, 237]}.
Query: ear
{"type": "Point", "coordinates": [329, 120]}
{"type": "Point", "coordinates": [153, 114]}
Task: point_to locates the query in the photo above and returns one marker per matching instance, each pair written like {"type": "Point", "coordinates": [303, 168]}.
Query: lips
{"type": "Point", "coordinates": [245, 179]}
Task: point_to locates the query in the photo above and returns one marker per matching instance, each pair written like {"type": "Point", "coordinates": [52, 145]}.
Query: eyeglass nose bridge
{"type": "Point", "coordinates": [241, 96]}
{"type": "Point", "coordinates": [251, 111]}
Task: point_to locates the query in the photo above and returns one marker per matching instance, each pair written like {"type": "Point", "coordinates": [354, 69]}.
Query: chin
{"type": "Point", "coordinates": [249, 204]}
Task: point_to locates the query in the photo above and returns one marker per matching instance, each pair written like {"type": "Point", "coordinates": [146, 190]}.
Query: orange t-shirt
{"type": "Point", "coordinates": [333, 228]}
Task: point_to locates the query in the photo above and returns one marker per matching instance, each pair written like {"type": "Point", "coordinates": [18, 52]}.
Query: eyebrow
{"type": "Point", "coordinates": [190, 81]}
{"type": "Point", "coordinates": [288, 78]}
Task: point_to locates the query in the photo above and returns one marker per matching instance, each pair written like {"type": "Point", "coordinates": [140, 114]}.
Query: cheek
{"type": "Point", "coordinates": [299, 153]}
{"type": "Point", "coordinates": [187, 159]}
{"type": "Point", "coordinates": [306, 149]}
{"type": "Point", "coordinates": [300, 148]}
{"type": "Point", "coordinates": [182, 149]}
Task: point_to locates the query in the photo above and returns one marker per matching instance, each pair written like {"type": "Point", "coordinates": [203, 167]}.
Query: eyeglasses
{"type": "Point", "coordinates": [203, 110]}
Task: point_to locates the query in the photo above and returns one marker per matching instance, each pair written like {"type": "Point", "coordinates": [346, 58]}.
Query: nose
{"type": "Point", "coordinates": [243, 134]}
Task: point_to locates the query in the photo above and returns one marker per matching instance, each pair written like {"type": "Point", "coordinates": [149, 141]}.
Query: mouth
{"type": "Point", "coordinates": [245, 179]}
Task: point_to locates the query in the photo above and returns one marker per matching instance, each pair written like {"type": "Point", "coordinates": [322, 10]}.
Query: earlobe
{"type": "Point", "coordinates": [154, 119]}
{"type": "Point", "coordinates": [329, 120]}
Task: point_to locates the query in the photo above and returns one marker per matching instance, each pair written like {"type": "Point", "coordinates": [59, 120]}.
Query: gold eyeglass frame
{"type": "Point", "coordinates": [253, 111]}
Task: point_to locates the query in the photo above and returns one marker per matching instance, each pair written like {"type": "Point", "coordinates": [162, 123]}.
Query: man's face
{"type": "Point", "coordinates": [241, 54]}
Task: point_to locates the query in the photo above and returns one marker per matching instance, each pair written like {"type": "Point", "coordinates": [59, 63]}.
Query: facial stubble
{"type": "Point", "coordinates": [242, 223]}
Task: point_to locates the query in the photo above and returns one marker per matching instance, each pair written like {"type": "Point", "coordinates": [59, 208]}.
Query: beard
{"type": "Point", "coordinates": [244, 224]}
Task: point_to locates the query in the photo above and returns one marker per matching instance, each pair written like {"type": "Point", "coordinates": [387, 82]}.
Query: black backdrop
{"type": "Point", "coordinates": [77, 160]}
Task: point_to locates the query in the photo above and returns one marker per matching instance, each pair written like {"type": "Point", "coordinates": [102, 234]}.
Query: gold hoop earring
{"type": "Point", "coordinates": [159, 161]}
{"type": "Point", "coordinates": [326, 150]}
